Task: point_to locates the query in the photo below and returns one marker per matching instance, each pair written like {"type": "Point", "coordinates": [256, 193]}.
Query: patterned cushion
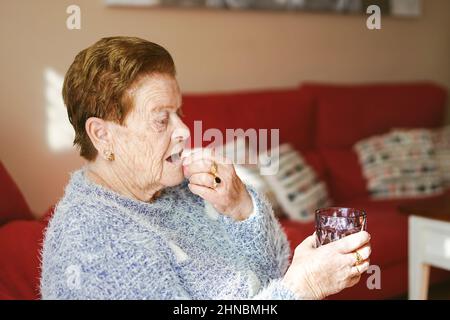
{"type": "Point", "coordinates": [400, 164]}
{"type": "Point", "coordinates": [296, 186]}
{"type": "Point", "coordinates": [251, 176]}
{"type": "Point", "coordinates": [442, 143]}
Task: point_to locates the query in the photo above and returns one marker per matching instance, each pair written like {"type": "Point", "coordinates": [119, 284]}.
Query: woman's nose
{"type": "Point", "coordinates": [181, 133]}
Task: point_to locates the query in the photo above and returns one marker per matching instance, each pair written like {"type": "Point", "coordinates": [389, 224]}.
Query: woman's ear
{"type": "Point", "coordinates": [98, 131]}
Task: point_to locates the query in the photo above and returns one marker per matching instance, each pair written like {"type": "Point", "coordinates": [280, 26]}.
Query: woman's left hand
{"type": "Point", "coordinates": [229, 196]}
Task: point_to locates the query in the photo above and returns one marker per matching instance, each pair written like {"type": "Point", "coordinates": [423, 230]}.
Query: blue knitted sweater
{"type": "Point", "coordinates": [101, 245]}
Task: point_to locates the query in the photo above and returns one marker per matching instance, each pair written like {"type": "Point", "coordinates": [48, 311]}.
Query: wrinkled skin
{"type": "Point", "coordinates": [230, 197]}
{"type": "Point", "coordinates": [152, 131]}
{"type": "Point", "coordinates": [316, 273]}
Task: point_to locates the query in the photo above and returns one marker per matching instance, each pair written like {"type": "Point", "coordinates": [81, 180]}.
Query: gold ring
{"type": "Point", "coordinates": [213, 172]}
{"type": "Point", "coordinates": [359, 271]}
{"type": "Point", "coordinates": [359, 259]}
{"type": "Point", "coordinates": [213, 169]}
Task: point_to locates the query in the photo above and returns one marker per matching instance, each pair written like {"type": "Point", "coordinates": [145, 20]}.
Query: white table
{"type": "Point", "coordinates": [428, 245]}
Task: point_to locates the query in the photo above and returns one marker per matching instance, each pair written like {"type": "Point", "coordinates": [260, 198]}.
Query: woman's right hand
{"type": "Point", "coordinates": [316, 273]}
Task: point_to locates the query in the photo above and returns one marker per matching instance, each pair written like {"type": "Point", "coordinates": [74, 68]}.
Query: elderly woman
{"type": "Point", "coordinates": [137, 222]}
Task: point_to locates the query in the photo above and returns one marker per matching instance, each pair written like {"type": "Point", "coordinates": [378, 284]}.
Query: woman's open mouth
{"type": "Point", "coordinates": [175, 158]}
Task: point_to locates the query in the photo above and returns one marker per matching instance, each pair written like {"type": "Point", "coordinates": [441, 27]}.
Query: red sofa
{"type": "Point", "coordinates": [323, 122]}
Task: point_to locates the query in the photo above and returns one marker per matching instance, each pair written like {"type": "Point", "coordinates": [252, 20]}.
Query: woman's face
{"type": "Point", "coordinates": [148, 145]}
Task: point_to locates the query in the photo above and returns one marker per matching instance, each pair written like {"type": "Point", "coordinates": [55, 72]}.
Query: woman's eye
{"type": "Point", "coordinates": [163, 121]}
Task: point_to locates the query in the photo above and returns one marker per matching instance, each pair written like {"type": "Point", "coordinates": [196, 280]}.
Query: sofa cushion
{"type": "Point", "coordinates": [316, 161]}
{"type": "Point", "coordinates": [296, 231]}
{"type": "Point", "coordinates": [442, 144]}
{"type": "Point", "coordinates": [286, 110]}
{"type": "Point", "coordinates": [400, 164]}
{"type": "Point", "coordinates": [296, 185]}
{"type": "Point", "coordinates": [12, 202]}
{"type": "Point", "coordinates": [348, 113]}
{"type": "Point", "coordinates": [20, 246]}
{"type": "Point", "coordinates": [345, 179]}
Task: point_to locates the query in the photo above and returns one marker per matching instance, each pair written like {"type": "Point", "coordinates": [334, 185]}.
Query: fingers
{"type": "Point", "coordinates": [309, 242]}
{"type": "Point", "coordinates": [202, 179]}
{"type": "Point", "coordinates": [204, 192]}
{"type": "Point", "coordinates": [202, 161]}
{"type": "Point", "coordinates": [364, 253]}
{"type": "Point", "coordinates": [359, 269]}
{"type": "Point", "coordinates": [197, 154]}
{"type": "Point", "coordinates": [197, 166]}
{"type": "Point", "coordinates": [354, 280]}
{"type": "Point", "coordinates": [352, 242]}
{"type": "Point", "coordinates": [203, 166]}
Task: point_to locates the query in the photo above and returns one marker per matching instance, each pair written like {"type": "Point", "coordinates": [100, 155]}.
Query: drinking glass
{"type": "Point", "coordinates": [334, 223]}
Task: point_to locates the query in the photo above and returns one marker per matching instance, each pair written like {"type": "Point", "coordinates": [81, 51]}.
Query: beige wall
{"type": "Point", "coordinates": [213, 51]}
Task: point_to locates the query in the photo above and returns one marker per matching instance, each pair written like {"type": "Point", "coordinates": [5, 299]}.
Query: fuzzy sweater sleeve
{"type": "Point", "coordinates": [120, 271]}
{"type": "Point", "coordinates": [265, 244]}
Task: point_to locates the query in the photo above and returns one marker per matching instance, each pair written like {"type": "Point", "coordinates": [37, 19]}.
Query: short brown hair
{"type": "Point", "coordinates": [97, 81]}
